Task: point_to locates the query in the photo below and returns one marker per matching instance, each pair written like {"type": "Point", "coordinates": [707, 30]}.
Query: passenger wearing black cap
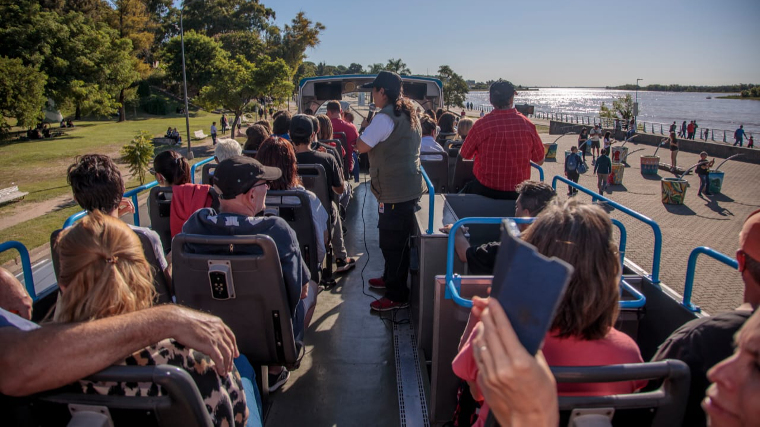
{"type": "Point", "coordinates": [503, 143]}
{"type": "Point", "coordinates": [302, 131]}
{"type": "Point", "coordinates": [242, 184]}
{"type": "Point", "coordinates": [392, 142]}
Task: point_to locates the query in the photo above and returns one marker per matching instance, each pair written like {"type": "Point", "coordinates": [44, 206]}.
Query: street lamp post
{"type": "Point", "coordinates": [636, 104]}
{"type": "Point", "coordinates": [184, 79]}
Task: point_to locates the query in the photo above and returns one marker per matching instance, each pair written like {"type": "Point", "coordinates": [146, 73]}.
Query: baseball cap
{"type": "Point", "coordinates": [301, 126]}
{"type": "Point", "coordinates": [238, 174]}
{"type": "Point", "coordinates": [502, 88]}
{"type": "Point", "coordinates": [749, 238]}
{"type": "Point", "coordinates": [386, 80]}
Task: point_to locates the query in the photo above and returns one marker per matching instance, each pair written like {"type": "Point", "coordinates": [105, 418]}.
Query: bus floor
{"type": "Point", "coordinates": [347, 376]}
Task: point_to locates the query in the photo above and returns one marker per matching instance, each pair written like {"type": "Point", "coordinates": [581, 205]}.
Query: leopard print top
{"type": "Point", "coordinates": [224, 396]}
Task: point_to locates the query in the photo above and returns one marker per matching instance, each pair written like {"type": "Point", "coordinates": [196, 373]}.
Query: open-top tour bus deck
{"type": "Point", "coordinates": [360, 368]}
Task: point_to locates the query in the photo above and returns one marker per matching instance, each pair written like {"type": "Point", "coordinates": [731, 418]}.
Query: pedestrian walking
{"type": "Point", "coordinates": [739, 136]}
{"type": "Point", "coordinates": [751, 142]}
{"type": "Point", "coordinates": [602, 169]}
{"type": "Point", "coordinates": [571, 169]}
{"type": "Point", "coordinates": [703, 171]}
{"type": "Point", "coordinates": [682, 133]}
{"type": "Point", "coordinates": [213, 132]}
{"type": "Point", "coordinates": [583, 142]}
{"type": "Point", "coordinates": [224, 122]}
{"type": "Point", "coordinates": [673, 151]}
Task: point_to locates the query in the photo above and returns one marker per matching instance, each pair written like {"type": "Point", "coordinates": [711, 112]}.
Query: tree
{"type": "Point", "coordinates": [138, 154]}
{"type": "Point", "coordinates": [21, 93]}
{"type": "Point", "coordinates": [622, 108]}
{"type": "Point", "coordinates": [355, 68]}
{"type": "Point", "coordinates": [397, 66]}
{"type": "Point", "coordinates": [455, 89]}
{"type": "Point", "coordinates": [375, 68]}
{"type": "Point", "coordinates": [223, 16]}
{"type": "Point", "coordinates": [203, 56]}
{"type": "Point", "coordinates": [296, 38]}
{"type": "Point", "coordinates": [238, 82]}
{"type": "Point", "coordinates": [245, 43]}
{"type": "Point", "coordinates": [306, 69]}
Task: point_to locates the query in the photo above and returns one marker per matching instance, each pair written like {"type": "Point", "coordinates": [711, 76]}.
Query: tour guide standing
{"type": "Point", "coordinates": [392, 141]}
{"type": "Point", "coordinates": [503, 144]}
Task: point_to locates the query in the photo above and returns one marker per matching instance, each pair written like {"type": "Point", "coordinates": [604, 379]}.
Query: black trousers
{"type": "Point", "coordinates": [475, 187]}
{"type": "Point", "coordinates": [396, 225]}
{"type": "Point", "coordinates": [572, 176]}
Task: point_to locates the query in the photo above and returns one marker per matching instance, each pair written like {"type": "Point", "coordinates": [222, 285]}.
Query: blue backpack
{"type": "Point", "coordinates": [572, 162]}
{"type": "Point", "coordinates": [582, 168]}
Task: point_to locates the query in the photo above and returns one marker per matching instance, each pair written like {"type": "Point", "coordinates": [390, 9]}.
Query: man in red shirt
{"type": "Point", "coordinates": [503, 143]}
{"type": "Point", "coordinates": [339, 125]}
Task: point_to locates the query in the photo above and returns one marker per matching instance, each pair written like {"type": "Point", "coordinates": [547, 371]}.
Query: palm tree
{"type": "Point", "coordinates": [397, 66]}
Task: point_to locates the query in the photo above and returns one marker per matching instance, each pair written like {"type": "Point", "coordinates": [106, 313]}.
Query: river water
{"type": "Point", "coordinates": [660, 107]}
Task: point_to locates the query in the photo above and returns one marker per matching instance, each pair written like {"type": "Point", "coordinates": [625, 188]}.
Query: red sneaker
{"type": "Point", "coordinates": [384, 304]}
{"type": "Point", "coordinates": [377, 283]}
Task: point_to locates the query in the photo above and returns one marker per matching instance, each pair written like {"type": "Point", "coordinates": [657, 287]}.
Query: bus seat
{"type": "Point", "coordinates": [207, 173]}
{"type": "Point", "coordinates": [259, 313]}
{"type": "Point", "coordinates": [462, 174]}
{"type": "Point", "coordinates": [314, 179]}
{"type": "Point", "coordinates": [335, 147]}
{"type": "Point", "coordinates": [163, 290]}
{"type": "Point", "coordinates": [181, 404]}
{"type": "Point", "coordinates": [250, 153]}
{"type": "Point", "coordinates": [159, 209]}
{"type": "Point", "coordinates": [437, 170]}
{"type": "Point", "coordinates": [293, 207]}
{"type": "Point", "coordinates": [341, 136]}
{"type": "Point", "coordinates": [663, 407]}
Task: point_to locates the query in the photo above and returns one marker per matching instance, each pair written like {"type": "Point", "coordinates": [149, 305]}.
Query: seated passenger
{"type": "Point", "coordinates": [301, 133]}
{"type": "Point", "coordinates": [464, 128]}
{"type": "Point", "coordinates": [427, 143]}
{"type": "Point", "coordinates": [267, 126]}
{"type": "Point", "coordinates": [226, 148]}
{"type": "Point", "coordinates": [242, 182]}
{"type": "Point", "coordinates": [702, 343]}
{"type": "Point", "coordinates": [446, 123]}
{"type": "Point", "coordinates": [96, 184]}
{"type": "Point", "coordinates": [281, 124]}
{"type": "Point", "coordinates": [104, 274]}
{"type": "Point", "coordinates": [582, 332]}
{"type": "Point", "coordinates": [255, 134]}
{"type": "Point", "coordinates": [533, 198]}
{"type": "Point", "coordinates": [13, 295]}
{"type": "Point", "coordinates": [171, 169]}
{"type": "Point", "coordinates": [340, 125]}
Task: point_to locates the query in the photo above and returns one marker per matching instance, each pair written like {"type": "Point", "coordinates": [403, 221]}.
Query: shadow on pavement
{"type": "Point", "coordinates": [679, 209]}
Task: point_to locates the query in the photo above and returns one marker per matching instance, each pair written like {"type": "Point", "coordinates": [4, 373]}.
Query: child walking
{"type": "Point", "coordinates": [602, 169]}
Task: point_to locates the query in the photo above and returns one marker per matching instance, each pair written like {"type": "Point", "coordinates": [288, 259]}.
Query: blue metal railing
{"type": "Point", "coordinates": [133, 193]}
{"type": "Point", "coordinates": [540, 171]}
{"type": "Point", "coordinates": [26, 264]}
{"type": "Point", "coordinates": [453, 280]}
{"type": "Point", "coordinates": [431, 198]}
{"type": "Point", "coordinates": [692, 266]}
{"type": "Point", "coordinates": [639, 301]}
{"type": "Point", "coordinates": [655, 275]}
{"type": "Point", "coordinates": [195, 166]}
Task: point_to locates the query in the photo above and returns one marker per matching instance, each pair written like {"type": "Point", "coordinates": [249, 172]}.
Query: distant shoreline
{"type": "Point", "coordinates": [752, 98]}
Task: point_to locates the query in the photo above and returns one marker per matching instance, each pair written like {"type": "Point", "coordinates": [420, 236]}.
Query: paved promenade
{"type": "Point", "coordinates": [714, 221]}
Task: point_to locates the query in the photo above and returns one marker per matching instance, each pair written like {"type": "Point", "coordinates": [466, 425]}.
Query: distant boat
{"type": "Point", "coordinates": [709, 97]}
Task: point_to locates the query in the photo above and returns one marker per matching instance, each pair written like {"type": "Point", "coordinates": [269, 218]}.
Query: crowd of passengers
{"type": "Point", "coordinates": [106, 315]}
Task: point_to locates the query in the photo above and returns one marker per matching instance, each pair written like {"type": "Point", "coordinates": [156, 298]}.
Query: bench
{"type": "Point", "coordinates": [200, 135]}
{"type": "Point", "coordinates": [11, 194]}
{"type": "Point", "coordinates": [164, 141]}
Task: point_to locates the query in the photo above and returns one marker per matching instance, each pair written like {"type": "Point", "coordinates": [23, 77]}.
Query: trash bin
{"type": "Point", "coordinates": [715, 179]}
{"type": "Point", "coordinates": [674, 190]}
{"type": "Point", "coordinates": [550, 151]}
{"type": "Point", "coordinates": [650, 165]}
{"type": "Point", "coordinates": [618, 154]}
{"type": "Point", "coordinates": [616, 177]}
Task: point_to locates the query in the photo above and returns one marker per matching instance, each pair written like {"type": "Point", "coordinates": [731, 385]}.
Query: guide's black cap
{"type": "Point", "coordinates": [387, 80]}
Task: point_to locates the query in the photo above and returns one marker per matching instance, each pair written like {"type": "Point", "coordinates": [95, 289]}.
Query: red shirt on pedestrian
{"type": "Point", "coordinates": [349, 129]}
{"type": "Point", "coordinates": [690, 128]}
{"type": "Point", "coordinates": [503, 143]}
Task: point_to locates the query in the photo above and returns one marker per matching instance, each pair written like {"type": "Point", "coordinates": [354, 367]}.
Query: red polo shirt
{"type": "Point", "coordinates": [503, 143]}
{"type": "Point", "coordinates": [351, 136]}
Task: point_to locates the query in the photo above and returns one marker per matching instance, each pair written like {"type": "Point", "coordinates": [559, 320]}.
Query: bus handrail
{"type": "Point", "coordinates": [692, 267]}
{"type": "Point", "coordinates": [640, 300]}
{"type": "Point", "coordinates": [133, 193]}
{"type": "Point", "coordinates": [655, 274]}
{"type": "Point", "coordinates": [431, 198]}
{"type": "Point", "coordinates": [195, 166]}
{"type": "Point", "coordinates": [540, 171]}
{"type": "Point", "coordinates": [26, 265]}
{"type": "Point", "coordinates": [453, 280]}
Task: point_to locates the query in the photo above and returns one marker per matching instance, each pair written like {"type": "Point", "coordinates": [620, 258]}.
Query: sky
{"type": "Point", "coordinates": [591, 43]}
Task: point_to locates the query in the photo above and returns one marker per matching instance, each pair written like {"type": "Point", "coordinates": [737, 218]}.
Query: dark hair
{"type": "Point", "coordinates": [325, 128]}
{"type": "Point", "coordinates": [535, 196]}
{"type": "Point", "coordinates": [308, 112]}
{"type": "Point", "coordinates": [427, 124]}
{"type": "Point", "coordinates": [446, 122]}
{"type": "Point", "coordinates": [349, 117]}
{"type": "Point", "coordinates": [607, 134]}
{"type": "Point", "coordinates": [281, 123]}
{"type": "Point", "coordinates": [266, 125]}
{"type": "Point", "coordinates": [173, 167]}
{"type": "Point", "coordinates": [279, 153]}
{"type": "Point", "coordinates": [401, 104]}
{"type": "Point", "coordinates": [96, 183]}
{"type": "Point", "coordinates": [581, 235]}
{"type": "Point", "coordinates": [333, 106]}
{"type": "Point", "coordinates": [438, 114]}
{"type": "Point", "coordinates": [501, 92]}
{"type": "Point", "coordinates": [584, 130]}
{"type": "Point", "coordinates": [256, 134]}
{"type": "Point", "coordinates": [430, 113]}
